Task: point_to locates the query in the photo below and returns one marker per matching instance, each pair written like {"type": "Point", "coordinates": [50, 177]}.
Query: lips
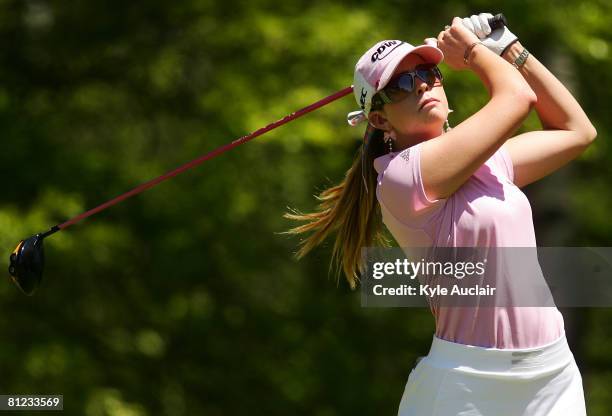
{"type": "Point", "coordinates": [428, 100]}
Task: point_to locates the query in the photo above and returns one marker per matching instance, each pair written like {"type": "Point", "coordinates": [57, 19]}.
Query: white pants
{"type": "Point", "coordinates": [464, 380]}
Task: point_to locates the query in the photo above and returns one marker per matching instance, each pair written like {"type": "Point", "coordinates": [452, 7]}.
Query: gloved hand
{"type": "Point", "coordinates": [498, 40]}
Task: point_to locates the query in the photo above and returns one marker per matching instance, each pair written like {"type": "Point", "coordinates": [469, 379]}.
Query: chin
{"type": "Point", "coordinates": [436, 115]}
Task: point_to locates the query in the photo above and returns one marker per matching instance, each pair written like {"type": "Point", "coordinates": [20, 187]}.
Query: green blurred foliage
{"type": "Point", "coordinates": [184, 299]}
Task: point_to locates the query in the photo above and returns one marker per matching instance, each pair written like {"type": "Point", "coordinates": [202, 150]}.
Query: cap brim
{"type": "Point", "coordinates": [428, 53]}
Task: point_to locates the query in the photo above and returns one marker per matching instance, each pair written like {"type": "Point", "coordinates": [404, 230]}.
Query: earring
{"type": "Point", "coordinates": [447, 126]}
{"type": "Point", "coordinates": [389, 140]}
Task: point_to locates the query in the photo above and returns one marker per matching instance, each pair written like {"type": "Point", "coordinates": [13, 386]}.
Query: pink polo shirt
{"type": "Point", "coordinates": [489, 210]}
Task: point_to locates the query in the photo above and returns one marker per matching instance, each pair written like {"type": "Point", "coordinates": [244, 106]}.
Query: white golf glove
{"type": "Point", "coordinates": [498, 40]}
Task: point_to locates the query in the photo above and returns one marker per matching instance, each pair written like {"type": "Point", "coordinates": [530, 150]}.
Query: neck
{"type": "Point", "coordinates": [404, 141]}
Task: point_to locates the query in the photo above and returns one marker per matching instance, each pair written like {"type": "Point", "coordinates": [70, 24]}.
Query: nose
{"type": "Point", "coordinates": [421, 87]}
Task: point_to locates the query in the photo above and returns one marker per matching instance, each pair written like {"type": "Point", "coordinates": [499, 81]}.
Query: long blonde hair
{"type": "Point", "coordinates": [349, 209]}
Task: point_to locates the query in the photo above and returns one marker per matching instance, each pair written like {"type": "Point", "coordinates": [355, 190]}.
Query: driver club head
{"type": "Point", "coordinates": [27, 263]}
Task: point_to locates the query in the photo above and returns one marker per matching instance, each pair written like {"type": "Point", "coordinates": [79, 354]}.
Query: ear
{"type": "Point", "coordinates": [377, 119]}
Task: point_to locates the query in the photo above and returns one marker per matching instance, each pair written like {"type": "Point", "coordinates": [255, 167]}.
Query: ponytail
{"type": "Point", "coordinates": [351, 210]}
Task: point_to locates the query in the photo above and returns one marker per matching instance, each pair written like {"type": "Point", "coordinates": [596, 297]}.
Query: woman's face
{"type": "Point", "coordinates": [406, 117]}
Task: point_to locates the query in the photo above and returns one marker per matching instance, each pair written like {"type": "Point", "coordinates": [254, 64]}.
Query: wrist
{"type": "Point", "coordinates": [469, 52]}
{"type": "Point", "coordinates": [512, 51]}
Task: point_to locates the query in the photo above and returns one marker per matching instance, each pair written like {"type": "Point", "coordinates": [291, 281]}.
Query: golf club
{"type": "Point", "coordinates": [27, 260]}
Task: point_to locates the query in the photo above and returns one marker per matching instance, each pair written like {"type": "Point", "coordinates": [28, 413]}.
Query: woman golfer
{"type": "Point", "coordinates": [435, 186]}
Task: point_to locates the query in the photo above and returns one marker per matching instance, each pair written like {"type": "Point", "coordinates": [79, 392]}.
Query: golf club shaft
{"type": "Point", "coordinates": [201, 159]}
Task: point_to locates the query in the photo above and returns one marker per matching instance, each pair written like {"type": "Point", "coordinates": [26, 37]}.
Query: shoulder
{"type": "Point", "coordinates": [394, 160]}
{"type": "Point", "coordinates": [400, 186]}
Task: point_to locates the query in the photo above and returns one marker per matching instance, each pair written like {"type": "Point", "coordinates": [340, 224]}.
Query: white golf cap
{"type": "Point", "coordinates": [375, 68]}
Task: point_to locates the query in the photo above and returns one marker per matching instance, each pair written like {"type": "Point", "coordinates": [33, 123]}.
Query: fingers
{"type": "Point", "coordinates": [431, 41]}
{"type": "Point", "coordinates": [484, 22]}
{"type": "Point", "coordinates": [447, 29]}
{"type": "Point", "coordinates": [467, 22]}
{"type": "Point", "coordinates": [478, 26]}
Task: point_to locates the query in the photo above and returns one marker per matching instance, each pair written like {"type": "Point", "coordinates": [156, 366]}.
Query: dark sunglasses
{"type": "Point", "coordinates": [399, 87]}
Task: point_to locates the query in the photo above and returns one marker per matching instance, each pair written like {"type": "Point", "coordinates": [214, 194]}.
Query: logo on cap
{"type": "Point", "coordinates": [362, 99]}
{"type": "Point", "coordinates": [378, 54]}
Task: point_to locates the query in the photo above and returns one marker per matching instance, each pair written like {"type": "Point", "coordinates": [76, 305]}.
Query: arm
{"type": "Point", "coordinates": [447, 161]}
{"type": "Point", "coordinates": [566, 133]}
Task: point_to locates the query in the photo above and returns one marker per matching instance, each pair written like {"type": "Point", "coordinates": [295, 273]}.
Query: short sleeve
{"type": "Point", "coordinates": [401, 190]}
{"type": "Point", "coordinates": [504, 162]}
